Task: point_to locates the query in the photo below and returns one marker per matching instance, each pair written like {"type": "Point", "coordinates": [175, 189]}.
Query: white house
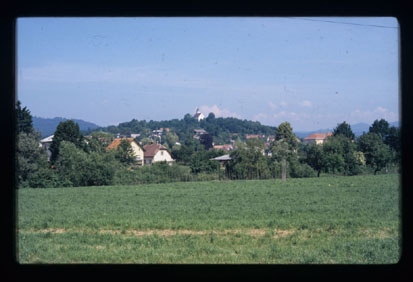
{"type": "Point", "coordinates": [45, 143]}
{"type": "Point", "coordinates": [156, 153]}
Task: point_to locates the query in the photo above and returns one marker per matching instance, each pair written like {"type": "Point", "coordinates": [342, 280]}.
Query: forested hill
{"type": "Point", "coordinates": [47, 126]}
{"type": "Point", "coordinates": [221, 128]}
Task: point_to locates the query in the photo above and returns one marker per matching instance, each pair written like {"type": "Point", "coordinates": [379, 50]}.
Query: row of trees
{"type": "Point", "coordinates": [375, 150]}
{"type": "Point", "coordinates": [79, 161]}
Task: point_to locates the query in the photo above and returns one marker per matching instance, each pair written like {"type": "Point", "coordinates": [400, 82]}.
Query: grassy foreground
{"type": "Point", "coordinates": [325, 220]}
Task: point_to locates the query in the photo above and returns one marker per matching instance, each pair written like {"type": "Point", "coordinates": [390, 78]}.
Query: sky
{"type": "Point", "coordinates": [312, 72]}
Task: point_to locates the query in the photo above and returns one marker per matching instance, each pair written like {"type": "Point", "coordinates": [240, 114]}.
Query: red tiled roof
{"type": "Point", "coordinates": [249, 136]}
{"type": "Point", "coordinates": [152, 149]}
{"type": "Point", "coordinates": [226, 147]}
{"type": "Point", "coordinates": [318, 136]}
{"type": "Point", "coordinates": [115, 143]}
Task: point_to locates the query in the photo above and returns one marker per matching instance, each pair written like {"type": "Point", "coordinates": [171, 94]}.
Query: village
{"type": "Point", "coordinates": [156, 152]}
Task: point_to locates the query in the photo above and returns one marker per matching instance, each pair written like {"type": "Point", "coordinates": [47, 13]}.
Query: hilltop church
{"type": "Point", "coordinates": [198, 115]}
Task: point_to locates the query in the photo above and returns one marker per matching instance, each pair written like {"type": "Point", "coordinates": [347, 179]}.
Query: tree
{"type": "Point", "coordinates": [280, 150]}
{"type": "Point", "coordinates": [210, 117]}
{"type": "Point", "coordinates": [284, 131]}
{"type": "Point", "coordinates": [71, 164]}
{"type": "Point", "coordinates": [206, 140]}
{"type": "Point", "coordinates": [248, 162]}
{"type": "Point", "coordinates": [66, 131]}
{"type": "Point", "coordinates": [75, 167]}
{"type": "Point", "coordinates": [394, 142]}
{"type": "Point", "coordinates": [99, 141]}
{"type": "Point", "coordinates": [169, 139]}
{"type": "Point", "coordinates": [24, 119]}
{"type": "Point", "coordinates": [377, 154]}
{"type": "Point", "coordinates": [30, 156]}
{"type": "Point", "coordinates": [344, 129]}
{"type": "Point", "coordinates": [380, 127]}
{"type": "Point", "coordinates": [315, 157]}
{"type": "Point", "coordinates": [333, 154]}
{"type": "Point", "coordinates": [125, 153]}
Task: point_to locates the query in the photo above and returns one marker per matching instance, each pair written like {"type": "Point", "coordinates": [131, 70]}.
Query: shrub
{"type": "Point", "coordinates": [299, 170]}
{"type": "Point", "coordinates": [47, 178]}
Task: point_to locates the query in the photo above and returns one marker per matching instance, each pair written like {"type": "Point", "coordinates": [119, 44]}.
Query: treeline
{"type": "Point", "coordinates": [221, 129]}
{"type": "Point", "coordinates": [79, 161]}
{"type": "Point", "coordinates": [374, 151]}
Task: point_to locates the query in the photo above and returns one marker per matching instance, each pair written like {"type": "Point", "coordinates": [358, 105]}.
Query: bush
{"type": "Point", "coordinates": [300, 170]}
{"type": "Point", "coordinates": [47, 178]}
{"type": "Point", "coordinates": [156, 173]}
{"type": "Point", "coordinates": [82, 169]}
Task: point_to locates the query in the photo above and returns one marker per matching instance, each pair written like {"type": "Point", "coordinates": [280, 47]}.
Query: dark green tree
{"type": "Point", "coordinates": [248, 161]}
{"type": "Point", "coordinates": [393, 140]}
{"type": "Point", "coordinates": [333, 155]}
{"type": "Point", "coordinates": [66, 131]}
{"type": "Point", "coordinates": [75, 167]}
{"type": "Point", "coordinates": [210, 117]}
{"type": "Point", "coordinates": [345, 130]}
{"type": "Point", "coordinates": [377, 154]}
{"type": "Point", "coordinates": [24, 119]}
{"type": "Point", "coordinates": [380, 127]}
{"type": "Point", "coordinates": [125, 153]}
{"type": "Point", "coordinates": [315, 157]}
{"type": "Point", "coordinates": [30, 156]}
{"type": "Point", "coordinates": [206, 141]}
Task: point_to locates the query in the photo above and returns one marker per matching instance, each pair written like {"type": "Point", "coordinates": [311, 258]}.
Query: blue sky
{"type": "Point", "coordinates": [311, 72]}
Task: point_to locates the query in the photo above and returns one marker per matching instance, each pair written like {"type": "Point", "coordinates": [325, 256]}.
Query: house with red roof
{"type": "Point", "coordinates": [317, 138]}
{"type": "Point", "coordinates": [156, 153]}
{"type": "Point", "coordinates": [138, 150]}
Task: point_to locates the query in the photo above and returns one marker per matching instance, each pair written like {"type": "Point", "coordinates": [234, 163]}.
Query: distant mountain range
{"type": "Point", "coordinates": [47, 126]}
{"type": "Point", "coordinates": [357, 129]}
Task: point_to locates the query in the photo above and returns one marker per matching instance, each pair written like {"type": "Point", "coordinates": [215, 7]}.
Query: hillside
{"type": "Point", "coordinates": [220, 128]}
{"type": "Point", "coordinates": [47, 126]}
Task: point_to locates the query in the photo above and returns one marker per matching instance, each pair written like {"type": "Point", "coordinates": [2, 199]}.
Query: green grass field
{"type": "Point", "coordinates": [328, 220]}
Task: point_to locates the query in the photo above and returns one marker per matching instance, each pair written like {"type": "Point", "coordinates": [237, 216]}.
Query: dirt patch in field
{"type": "Point", "coordinates": [283, 233]}
{"type": "Point", "coordinates": [378, 234]}
{"type": "Point", "coordinates": [48, 230]}
{"type": "Point", "coordinates": [168, 232]}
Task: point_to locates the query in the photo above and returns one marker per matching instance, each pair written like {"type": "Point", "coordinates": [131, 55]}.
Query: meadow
{"type": "Point", "coordinates": [326, 220]}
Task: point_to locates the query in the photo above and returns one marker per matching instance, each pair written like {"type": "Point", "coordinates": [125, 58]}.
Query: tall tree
{"type": "Point", "coordinates": [333, 154]}
{"type": "Point", "coordinates": [315, 157]}
{"type": "Point", "coordinates": [66, 131]}
{"type": "Point", "coordinates": [280, 150]}
{"type": "Point", "coordinates": [285, 132]}
{"type": "Point", "coordinates": [377, 154]}
{"type": "Point", "coordinates": [380, 127]}
{"type": "Point", "coordinates": [24, 119]}
{"type": "Point", "coordinates": [344, 129]}
{"type": "Point", "coordinates": [30, 157]}
{"type": "Point", "coordinates": [206, 141]}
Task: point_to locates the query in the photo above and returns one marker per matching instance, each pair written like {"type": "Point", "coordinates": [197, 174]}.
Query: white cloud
{"type": "Point", "coordinates": [370, 116]}
{"type": "Point", "coordinates": [306, 104]}
{"type": "Point", "coordinates": [283, 104]}
{"type": "Point", "coordinates": [218, 112]}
